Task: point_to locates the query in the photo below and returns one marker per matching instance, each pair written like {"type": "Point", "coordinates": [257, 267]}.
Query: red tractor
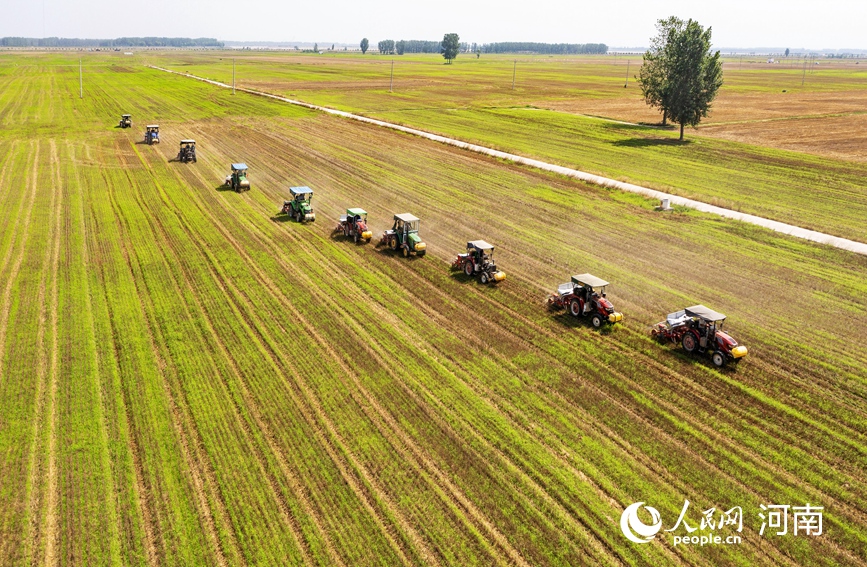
{"type": "Point", "coordinates": [699, 329]}
{"type": "Point", "coordinates": [585, 295]}
{"type": "Point", "coordinates": [479, 261]}
{"type": "Point", "coordinates": [354, 225]}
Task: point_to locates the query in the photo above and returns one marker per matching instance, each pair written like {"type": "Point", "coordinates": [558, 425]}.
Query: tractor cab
{"type": "Point", "coordinates": [125, 120]}
{"type": "Point", "coordinates": [404, 235]}
{"type": "Point", "coordinates": [152, 134]}
{"type": "Point", "coordinates": [699, 329]}
{"type": "Point", "coordinates": [479, 261]}
{"type": "Point", "coordinates": [187, 151]}
{"type": "Point", "coordinates": [237, 180]}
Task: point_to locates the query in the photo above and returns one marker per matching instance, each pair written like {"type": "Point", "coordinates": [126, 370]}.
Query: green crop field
{"type": "Point", "coordinates": [189, 378]}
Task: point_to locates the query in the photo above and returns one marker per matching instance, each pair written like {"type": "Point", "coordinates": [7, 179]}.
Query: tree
{"type": "Point", "coordinates": [316, 48]}
{"type": "Point", "coordinates": [682, 76]}
{"type": "Point", "coordinates": [400, 46]}
{"type": "Point", "coordinates": [451, 46]}
{"type": "Point", "coordinates": [787, 52]}
{"type": "Point", "coordinates": [364, 45]}
{"type": "Point", "coordinates": [386, 46]}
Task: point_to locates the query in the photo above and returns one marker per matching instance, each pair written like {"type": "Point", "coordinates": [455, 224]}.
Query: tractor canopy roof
{"type": "Point", "coordinates": [479, 245]}
{"type": "Point", "coordinates": [588, 280]}
{"type": "Point", "coordinates": [239, 167]}
{"type": "Point", "coordinates": [188, 141]}
{"type": "Point", "coordinates": [300, 190]}
{"type": "Point", "coordinates": [406, 217]}
{"type": "Point", "coordinates": [153, 126]}
{"type": "Point", "coordinates": [356, 211]}
{"type": "Point", "coordinates": [703, 312]}
{"type": "Point", "coordinates": [126, 115]}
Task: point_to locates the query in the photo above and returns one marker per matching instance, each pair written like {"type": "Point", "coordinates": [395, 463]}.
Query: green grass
{"type": "Point", "coordinates": [232, 386]}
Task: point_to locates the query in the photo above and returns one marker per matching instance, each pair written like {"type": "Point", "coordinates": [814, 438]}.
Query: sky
{"type": "Point", "coordinates": [834, 24]}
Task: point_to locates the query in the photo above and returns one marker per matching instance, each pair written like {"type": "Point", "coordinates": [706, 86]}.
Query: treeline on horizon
{"type": "Point", "coordinates": [118, 42]}
{"type": "Point", "coordinates": [388, 46]}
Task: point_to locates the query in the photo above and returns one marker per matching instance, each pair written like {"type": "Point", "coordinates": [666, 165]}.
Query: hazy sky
{"type": "Point", "coordinates": [623, 23]}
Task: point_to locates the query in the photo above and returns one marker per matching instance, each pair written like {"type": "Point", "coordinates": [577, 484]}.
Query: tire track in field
{"type": "Point", "coordinates": [107, 465]}
{"type": "Point", "coordinates": [202, 480]}
{"type": "Point", "coordinates": [386, 421]}
{"type": "Point", "coordinates": [52, 529]}
{"type": "Point", "coordinates": [283, 506]}
{"type": "Point", "coordinates": [21, 229]}
{"type": "Point", "coordinates": [180, 420]}
{"type": "Point", "coordinates": [246, 309]}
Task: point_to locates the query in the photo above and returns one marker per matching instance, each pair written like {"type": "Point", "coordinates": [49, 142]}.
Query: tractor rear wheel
{"type": "Point", "coordinates": [575, 308]}
{"type": "Point", "coordinates": [689, 342]}
{"type": "Point", "coordinates": [468, 268]}
{"type": "Point", "coordinates": [596, 320]}
{"type": "Point", "coordinates": [719, 359]}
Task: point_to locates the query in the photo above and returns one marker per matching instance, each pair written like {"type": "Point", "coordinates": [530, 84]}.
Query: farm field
{"type": "Point", "coordinates": [187, 378]}
{"type": "Point", "coordinates": [554, 116]}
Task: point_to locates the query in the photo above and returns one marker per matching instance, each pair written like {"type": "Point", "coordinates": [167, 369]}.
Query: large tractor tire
{"type": "Point", "coordinates": [355, 237]}
{"type": "Point", "coordinates": [392, 243]}
{"type": "Point", "coordinates": [576, 309]}
{"type": "Point", "coordinates": [689, 342]}
{"type": "Point", "coordinates": [468, 268]}
{"type": "Point", "coordinates": [596, 320]}
{"type": "Point", "coordinates": [298, 216]}
{"type": "Point", "coordinates": [718, 359]}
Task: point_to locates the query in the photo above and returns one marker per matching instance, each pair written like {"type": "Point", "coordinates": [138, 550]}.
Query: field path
{"type": "Point", "coordinates": [791, 230]}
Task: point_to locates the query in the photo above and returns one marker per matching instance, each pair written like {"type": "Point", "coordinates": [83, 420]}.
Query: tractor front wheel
{"type": "Point", "coordinates": [596, 320]}
{"type": "Point", "coordinates": [689, 342]}
{"type": "Point", "coordinates": [484, 278]}
{"type": "Point", "coordinates": [405, 252]}
{"type": "Point", "coordinates": [575, 308]}
{"type": "Point", "coordinates": [393, 243]}
{"type": "Point", "coordinates": [468, 268]}
{"type": "Point", "coordinates": [355, 238]}
{"type": "Point", "coordinates": [719, 359]}
{"type": "Point", "coordinates": [298, 217]}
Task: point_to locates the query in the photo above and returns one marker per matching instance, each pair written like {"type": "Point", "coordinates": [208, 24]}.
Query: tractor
{"type": "Point", "coordinates": [237, 180]}
{"type": "Point", "coordinates": [152, 134]}
{"type": "Point", "coordinates": [125, 121]}
{"type": "Point", "coordinates": [585, 295]}
{"type": "Point", "coordinates": [187, 153]}
{"type": "Point", "coordinates": [300, 207]}
{"type": "Point", "coordinates": [354, 224]}
{"type": "Point", "coordinates": [699, 329]}
{"type": "Point", "coordinates": [404, 236]}
{"type": "Point", "coordinates": [479, 261]}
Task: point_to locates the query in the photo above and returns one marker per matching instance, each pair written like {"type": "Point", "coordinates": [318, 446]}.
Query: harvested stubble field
{"type": "Point", "coordinates": [189, 379]}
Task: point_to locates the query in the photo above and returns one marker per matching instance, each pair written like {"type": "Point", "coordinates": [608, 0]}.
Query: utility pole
{"type": "Point", "coordinates": [233, 75]}
{"type": "Point", "coordinates": [391, 85]}
{"type": "Point", "coordinates": [627, 74]}
{"type": "Point", "coordinates": [80, 81]}
{"type": "Point", "coordinates": [514, 71]}
{"type": "Point", "coordinates": [804, 76]}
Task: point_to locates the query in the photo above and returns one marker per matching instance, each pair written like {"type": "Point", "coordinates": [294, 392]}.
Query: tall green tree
{"type": "Point", "coordinates": [364, 45]}
{"type": "Point", "coordinates": [451, 46]}
{"type": "Point", "coordinates": [683, 76]}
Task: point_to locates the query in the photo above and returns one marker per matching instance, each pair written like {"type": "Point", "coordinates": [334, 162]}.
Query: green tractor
{"type": "Point", "coordinates": [404, 236]}
{"type": "Point", "coordinates": [300, 207]}
{"type": "Point", "coordinates": [125, 121]}
{"type": "Point", "coordinates": [237, 180]}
